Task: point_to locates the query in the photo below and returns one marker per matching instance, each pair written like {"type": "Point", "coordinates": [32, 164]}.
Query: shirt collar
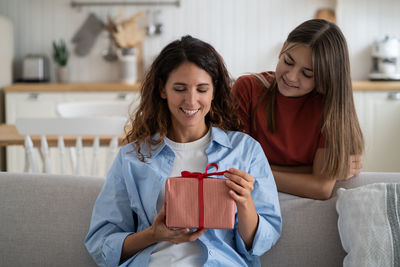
{"type": "Point", "coordinates": [218, 136]}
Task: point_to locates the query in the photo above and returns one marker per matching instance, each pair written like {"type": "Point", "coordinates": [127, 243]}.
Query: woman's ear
{"type": "Point", "coordinates": [163, 94]}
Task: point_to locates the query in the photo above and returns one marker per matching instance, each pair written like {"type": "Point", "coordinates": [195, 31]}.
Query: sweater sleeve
{"type": "Point", "coordinates": [241, 90]}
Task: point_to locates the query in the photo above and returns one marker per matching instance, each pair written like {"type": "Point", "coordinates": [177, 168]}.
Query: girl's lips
{"type": "Point", "coordinates": [287, 84]}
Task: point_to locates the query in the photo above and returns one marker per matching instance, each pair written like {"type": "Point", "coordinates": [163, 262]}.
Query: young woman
{"type": "Point", "coordinates": [184, 121]}
{"type": "Point", "coordinates": [303, 113]}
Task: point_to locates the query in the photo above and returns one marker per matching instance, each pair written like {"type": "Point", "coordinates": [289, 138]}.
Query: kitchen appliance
{"type": "Point", "coordinates": [386, 59]}
{"type": "Point", "coordinates": [35, 68]}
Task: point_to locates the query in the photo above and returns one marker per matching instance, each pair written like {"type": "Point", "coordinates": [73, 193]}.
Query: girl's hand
{"type": "Point", "coordinates": [355, 165]}
{"type": "Point", "coordinates": [162, 233]}
{"type": "Point", "coordinates": [241, 184]}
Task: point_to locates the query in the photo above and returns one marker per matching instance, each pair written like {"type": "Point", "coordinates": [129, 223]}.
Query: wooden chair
{"type": "Point", "coordinates": [112, 127]}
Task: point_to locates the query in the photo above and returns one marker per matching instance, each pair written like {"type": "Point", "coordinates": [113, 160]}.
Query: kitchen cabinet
{"type": "Point", "coordinates": [379, 116]}
{"type": "Point", "coordinates": [41, 100]}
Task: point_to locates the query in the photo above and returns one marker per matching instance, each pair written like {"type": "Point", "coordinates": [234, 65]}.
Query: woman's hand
{"type": "Point", "coordinates": [242, 184]}
{"type": "Point", "coordinates": [157, 232]}
{"type": "Point", "coordinates": [355, 165]}
{"type": "Point", "coordinates": [162, 233]}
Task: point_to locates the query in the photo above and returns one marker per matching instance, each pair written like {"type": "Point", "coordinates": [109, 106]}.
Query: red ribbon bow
{"type": "Point", "coordinates": [200, 176]}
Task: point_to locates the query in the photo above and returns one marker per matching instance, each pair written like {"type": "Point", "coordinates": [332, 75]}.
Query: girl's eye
{"type": "Point", "coordinates": [307, 76]}
{"type": "Point", "coordinates": [287, 62]}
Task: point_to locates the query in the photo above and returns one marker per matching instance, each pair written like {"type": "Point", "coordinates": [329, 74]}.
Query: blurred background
{"type": "Point", "coordinates": [248, 34]}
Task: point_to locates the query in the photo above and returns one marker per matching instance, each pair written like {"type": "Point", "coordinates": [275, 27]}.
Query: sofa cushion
{"type": "Point", "coordinates": [45, 218]}
{"type": "Point", "coordinates": [310, 237]}
{"type": "Point", "coordinates": [369, 224]}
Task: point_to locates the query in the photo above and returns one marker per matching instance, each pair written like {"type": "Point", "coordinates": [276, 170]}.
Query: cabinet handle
{"type": "Point", "coordinates": [394, 96]}
{"type": "Point", "coordinates": [122, 96]}
{"type": "Point", "coordinates": [33, 96]}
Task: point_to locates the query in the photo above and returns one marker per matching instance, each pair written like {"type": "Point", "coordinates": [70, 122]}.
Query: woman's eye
{"type": "Point", "coordinates": [179, 89]}
{"type": "Point", "coordinates": [307, 75]}
{"type": "Point", "coordinates": [202, 90]}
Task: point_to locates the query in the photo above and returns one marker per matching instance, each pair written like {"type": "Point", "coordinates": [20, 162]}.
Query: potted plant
{"type": "Point", "coordinates": [60, 57]}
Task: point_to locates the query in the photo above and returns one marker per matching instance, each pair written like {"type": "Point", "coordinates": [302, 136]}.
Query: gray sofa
{"type": "Point", "coordinates": [44, 219]}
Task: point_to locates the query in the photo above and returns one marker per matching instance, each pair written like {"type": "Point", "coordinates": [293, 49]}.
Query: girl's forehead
{"type": "Point", "coordinates": [291, 46]}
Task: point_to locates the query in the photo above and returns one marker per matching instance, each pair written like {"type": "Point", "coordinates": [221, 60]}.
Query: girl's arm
{"type": "Point", "coordinates": [305, 181]}
{"type": "Point", "coordinates": [309, 181]}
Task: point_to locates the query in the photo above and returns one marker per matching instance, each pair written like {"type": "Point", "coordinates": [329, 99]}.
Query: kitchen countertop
{"type": "Point", "coordinates": [103, 87]}
{"type": "Point", "coordinates": [71, 87]}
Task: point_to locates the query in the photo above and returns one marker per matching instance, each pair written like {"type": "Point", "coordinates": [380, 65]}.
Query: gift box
{"type": "Point", "coordinates": [196, 200]}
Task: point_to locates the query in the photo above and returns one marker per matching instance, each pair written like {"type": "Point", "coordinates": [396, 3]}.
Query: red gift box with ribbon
{"type": "Point", "coordinates": [195, 200]}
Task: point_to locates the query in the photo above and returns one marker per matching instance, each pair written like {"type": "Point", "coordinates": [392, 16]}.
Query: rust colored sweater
{"type": "Point", "coordinates": [298, 122]}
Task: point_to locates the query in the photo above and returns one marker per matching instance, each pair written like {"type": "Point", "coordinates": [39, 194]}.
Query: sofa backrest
{"type": "Point", "coordinates": [45, 218]}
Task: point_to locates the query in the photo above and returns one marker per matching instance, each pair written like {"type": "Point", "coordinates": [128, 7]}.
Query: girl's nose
{"type": "Point", "coordinates": [292, 75]}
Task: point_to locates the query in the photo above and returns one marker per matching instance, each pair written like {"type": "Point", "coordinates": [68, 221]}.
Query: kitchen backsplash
{"type": "Point", "coordinates": [248, 34]}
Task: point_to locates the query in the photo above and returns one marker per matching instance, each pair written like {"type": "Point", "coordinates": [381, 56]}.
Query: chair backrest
{"type": "Point", "coordinates": [82, 126]}
{"type": "Point", "coordinates": [98, 108]}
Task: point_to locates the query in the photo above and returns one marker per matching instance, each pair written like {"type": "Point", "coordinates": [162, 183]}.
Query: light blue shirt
{"type": "Point", "coordinates": [127, 203]}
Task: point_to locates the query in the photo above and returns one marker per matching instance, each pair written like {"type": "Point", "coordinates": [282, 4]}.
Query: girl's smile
{"type": "Point", "coordinates": [294, 73]}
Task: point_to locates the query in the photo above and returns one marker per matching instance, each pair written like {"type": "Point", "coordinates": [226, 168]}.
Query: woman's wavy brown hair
{"type": "Point", "coordinates": [153, 116]}
{"type": "Point", "coordinates": [332, 79]}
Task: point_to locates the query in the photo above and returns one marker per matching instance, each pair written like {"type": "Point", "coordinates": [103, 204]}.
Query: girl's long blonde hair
{"type": "Point", "coordinates": [331, 68]}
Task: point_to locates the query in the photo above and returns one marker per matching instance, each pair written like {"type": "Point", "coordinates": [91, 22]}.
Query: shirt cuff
{"type": "Point", "coordinates": [112, 248]}
{"type": "Point", "coordinates": [262, 242]}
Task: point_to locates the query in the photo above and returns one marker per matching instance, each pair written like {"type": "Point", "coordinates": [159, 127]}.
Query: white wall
{"type": "Point", "coordinates": [364, 21]}
{"type": "Point", "coordinates": [248, 33]}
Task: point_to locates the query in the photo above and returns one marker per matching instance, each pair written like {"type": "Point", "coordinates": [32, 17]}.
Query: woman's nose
{"type": "Point", "coordinates": [191, 96]}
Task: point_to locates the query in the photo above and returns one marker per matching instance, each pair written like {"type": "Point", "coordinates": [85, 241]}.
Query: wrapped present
{"type": "Point", "coordinates": [195, 200]}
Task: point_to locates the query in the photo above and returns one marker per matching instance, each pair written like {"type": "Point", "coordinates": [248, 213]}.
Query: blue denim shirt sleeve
{"type": "Point", "coordinates": [265, 197]}
{"type": "Point", "coordinates": [112, 219]}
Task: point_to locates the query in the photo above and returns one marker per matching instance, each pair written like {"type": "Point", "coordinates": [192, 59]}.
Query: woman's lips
{"type": "Point", "coordinates": [190, 112]}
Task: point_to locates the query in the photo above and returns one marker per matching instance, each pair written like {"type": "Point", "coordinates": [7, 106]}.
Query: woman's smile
{"type": "Point", "coordinates": [189, 93]}
{"type": "Point", "coordinates": [190, 112]}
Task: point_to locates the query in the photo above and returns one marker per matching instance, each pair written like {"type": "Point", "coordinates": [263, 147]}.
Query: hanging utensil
{"type": "Point", "coordinates": [110, 54]}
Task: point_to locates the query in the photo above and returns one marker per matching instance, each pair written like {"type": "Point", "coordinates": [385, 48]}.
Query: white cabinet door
{"type": "Point", "coordinates": [31, 105]}
{"type": "Point", "coordinates": [379, 116]}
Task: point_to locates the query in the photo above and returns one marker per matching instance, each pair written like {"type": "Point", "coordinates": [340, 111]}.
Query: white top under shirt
{"type": "Point", "coordinates": [188, 157]}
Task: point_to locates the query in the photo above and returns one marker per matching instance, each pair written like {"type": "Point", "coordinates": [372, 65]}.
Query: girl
{"type": "Point", "coordinates": [184, 122]}
{"type": "Point", "coordinates": [303, 113]}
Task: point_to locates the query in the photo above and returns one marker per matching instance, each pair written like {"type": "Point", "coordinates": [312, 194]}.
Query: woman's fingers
{"type": "Point", "coordinates": [241, 178]}
{"type": "Point", "coordinates": [182, 237]}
